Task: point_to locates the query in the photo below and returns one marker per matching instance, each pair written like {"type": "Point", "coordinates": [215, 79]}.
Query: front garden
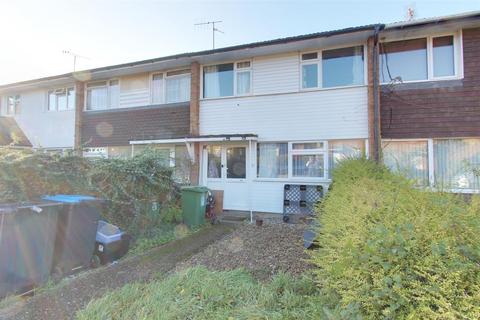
{"type": "Point", "coordinates": [385, 251]}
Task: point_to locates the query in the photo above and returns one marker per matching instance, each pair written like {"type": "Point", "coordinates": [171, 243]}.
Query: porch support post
{"type": "Point", "coordinates": [249, 179]}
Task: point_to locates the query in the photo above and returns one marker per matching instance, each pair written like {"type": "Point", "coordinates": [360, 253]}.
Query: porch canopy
{"type": "Point", "coordinates": [190, 140]}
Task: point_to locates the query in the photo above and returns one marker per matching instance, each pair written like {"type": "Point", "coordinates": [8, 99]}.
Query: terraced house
{"type": "Point", "coordinates": [251, 118]}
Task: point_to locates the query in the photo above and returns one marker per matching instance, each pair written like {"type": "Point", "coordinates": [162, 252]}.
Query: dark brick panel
{"type": "Point", "coordinates": [424, 110]}
{"type": "Point", "coordinates": [118, 127]}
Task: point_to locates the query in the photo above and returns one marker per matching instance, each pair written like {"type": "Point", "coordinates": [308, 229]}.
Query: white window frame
{"type": "Point", "coordinates": [323, 151]}
{"type": "Point", "coordinates": [457, 56]}
{"type": "Point", "coordinates": [54, 90]}
{"type": "Point", "coordinates": [166, 77]}
{"type": "Point", "coordinates": [162, 98]}
{"type": "Point", "coordinates": [431, 162]}
{"type": "Point", "coordinates": [255, 160]}
{"type": "Point", "coordinates": [319, 64]}
{"type": "Point", "coordinates": [107, 85]}
{"type": "Point", "coordinates": [16, 97]}
{"type": "Point", "coordinates": [235, 71]}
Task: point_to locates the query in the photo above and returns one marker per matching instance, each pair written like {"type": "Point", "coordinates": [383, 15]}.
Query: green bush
{"type": "Point", "coordinates": [389, 251]}
{"type": "Point", "coordinates": [200, 294]}
{"type": "Point", "coordinates": [171, 213]}
{"type": "Point", "coordinates": [134, 189]}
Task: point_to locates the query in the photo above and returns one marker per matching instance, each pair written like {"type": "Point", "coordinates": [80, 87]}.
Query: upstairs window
{"type": "Point", "coordinates": [243, 75]}
{"type": "Point", "coordinates": [333, 68]}
{"type": "Point", "coordinates": [218, 81]}
{"type": "Point", "coordinates": [61, 99]}
{"type": "Point", "coordinates": [226, 80]}
{"type": "Point", "coordinates": [419, 59]}
{"type": "Point", "coordinates": [443, 56]}
{"type": "Point", "coordinates": [404, 59]}
{"type": "Point", "coordinates": [342, 67]}
{"type": "Point", "coordinates": [13, 105]}
{"type": "Point", "coordinates": [103, 95]}
{"type": "Point", "coordinates": [177, 86]}
{"type": "Point", "coordinates": [157, 88]}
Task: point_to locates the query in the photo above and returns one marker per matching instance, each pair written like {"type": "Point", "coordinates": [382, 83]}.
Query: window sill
{"type": "Point", "coordinates": [423, 81]}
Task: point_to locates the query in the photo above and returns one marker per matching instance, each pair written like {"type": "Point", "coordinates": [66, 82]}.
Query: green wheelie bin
{"type": "Point", "coordinates": [194, 201]}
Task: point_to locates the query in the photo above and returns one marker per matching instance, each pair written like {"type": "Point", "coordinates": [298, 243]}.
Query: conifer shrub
{"type": "Point", "coordinates": [390, 251]}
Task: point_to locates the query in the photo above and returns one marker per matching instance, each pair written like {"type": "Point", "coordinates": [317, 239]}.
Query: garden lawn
{"type": "Point", "coordinates": [197, 293]}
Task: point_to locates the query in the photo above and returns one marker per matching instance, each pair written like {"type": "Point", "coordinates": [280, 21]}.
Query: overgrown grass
{"type": "Point", "coordinates": [201, 294]}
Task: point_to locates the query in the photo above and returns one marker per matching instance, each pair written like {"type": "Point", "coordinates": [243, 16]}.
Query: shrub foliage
{"type": "Point", "coordinates": [389, 251]}
{"type": "Point", "coordinates": [136, 189]}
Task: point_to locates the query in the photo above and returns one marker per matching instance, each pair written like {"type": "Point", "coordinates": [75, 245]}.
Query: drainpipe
{"type": "Point", "coordinates": [376, 96]}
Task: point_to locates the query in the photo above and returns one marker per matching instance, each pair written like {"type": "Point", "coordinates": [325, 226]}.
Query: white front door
{"type": "Point", "coordinates": [225, 168]}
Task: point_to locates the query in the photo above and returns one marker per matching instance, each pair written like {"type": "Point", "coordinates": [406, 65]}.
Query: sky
{"type": "Point", "coordinates": [34, 33]}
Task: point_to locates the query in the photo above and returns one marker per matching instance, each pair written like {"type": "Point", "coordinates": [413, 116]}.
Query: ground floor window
{"type": "Point", "coordinates": [451, 164]}
{"type": "Point", "coordinates": [409, 158]}
{"type": "Point", "coordinates": [339, 150]}
{"type": "Point", "coordinates": [457, 163]}
{"type": "Point", "coordinates": [272, 160]}
{"type": "Point", "coordinates": [312, 159]}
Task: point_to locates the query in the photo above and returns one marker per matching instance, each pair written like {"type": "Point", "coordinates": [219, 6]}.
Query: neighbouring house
{"type": "Point", "coordinates": [430, 100]}
{"type": "Point", "coordinates": [251, 118]}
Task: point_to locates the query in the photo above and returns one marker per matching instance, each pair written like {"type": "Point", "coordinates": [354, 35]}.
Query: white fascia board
{"type": "Point", "coordinates": [199, 139]}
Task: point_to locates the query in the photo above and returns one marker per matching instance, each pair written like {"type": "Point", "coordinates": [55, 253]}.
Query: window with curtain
{"type": "Point", "coordinates": [409, 158]}
{"type": "Point", "coordinates": [308, 160]}
{"type": "Point", "coordinates": [214, 162]}
{"type": "Point", "coordinates": [457, 163]}
{"type": "Point", "coordinates": [272, 160]}
{"type": "Point", "coordinates": [243, 75]}
{"type": "Point", "coordinates": [406, 59]}
{"type": "Point", "coordinates": [178, 86]}
{"type": "Point", "coordinates": [157, 88]}
{"type": "Point", "coordinates": [344, 149]}
{"type": "Point", "coordinates": [97, 95]}
{"type": "Point", "coordinates": [182, 164]}
{"type": "Point", "coordinates": [114, 93]}
{"type": "Point", "coordinates": [342, 67]}
{"type": "Point", "coordinates": [218, 80]}
{"type": "Point", "coordinates": [61, 99]}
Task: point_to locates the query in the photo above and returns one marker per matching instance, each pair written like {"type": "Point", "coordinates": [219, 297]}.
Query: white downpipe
{"type": "Point", "coordinates": [249, 172]}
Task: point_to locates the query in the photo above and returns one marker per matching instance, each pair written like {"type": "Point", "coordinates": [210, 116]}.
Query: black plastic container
{"type": "Point", "coordinates": [27, 241]}
{"type": "Point", "coordinates": [76, 232]}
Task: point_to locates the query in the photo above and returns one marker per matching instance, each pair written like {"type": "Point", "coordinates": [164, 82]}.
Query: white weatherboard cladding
{"type": "Point", "coordinates": [321, 114]}
{"type": "Point", "coordinates": [134, 91]}
{"type": "Point", "coordinates": [276, 74]}
{"type": "Point", "coordinates": [45, 129]}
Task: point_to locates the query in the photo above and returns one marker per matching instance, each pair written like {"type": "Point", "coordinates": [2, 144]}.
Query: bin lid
{"type": "Point", "coordinates": [199, 189]}
{"type": "Point", "coordinates": [69, 198]}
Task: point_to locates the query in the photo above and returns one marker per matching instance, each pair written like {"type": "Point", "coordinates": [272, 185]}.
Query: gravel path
{"type": "Point", "coordinates": [262, 250]}
{"type": "Point", "coordinates": [63, 301]}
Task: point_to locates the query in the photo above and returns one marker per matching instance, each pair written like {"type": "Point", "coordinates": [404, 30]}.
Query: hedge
{"type": "Point", "coordinates": [390, 251]}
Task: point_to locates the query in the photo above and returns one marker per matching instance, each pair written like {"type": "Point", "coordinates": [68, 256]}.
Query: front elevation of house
{"type": "Point", "coordinates": [252, 118]}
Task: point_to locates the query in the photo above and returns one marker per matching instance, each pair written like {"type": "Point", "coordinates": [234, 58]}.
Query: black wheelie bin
{"type": "Point", "coordinates": [76, 231]}
{"type": "Point", "coordinates": [27, 241]}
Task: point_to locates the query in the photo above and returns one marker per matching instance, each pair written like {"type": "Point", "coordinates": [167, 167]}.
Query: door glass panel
{"type": "Point", "coordinates": [236, 163]}
{"type": "Point", "coordinates": [214, 162]}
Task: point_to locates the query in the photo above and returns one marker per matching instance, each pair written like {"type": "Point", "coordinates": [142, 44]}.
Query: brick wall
{"type": "Point", "coordinates": [438, 108]}
{"type": "Point", "coordinates": [117, 127]}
